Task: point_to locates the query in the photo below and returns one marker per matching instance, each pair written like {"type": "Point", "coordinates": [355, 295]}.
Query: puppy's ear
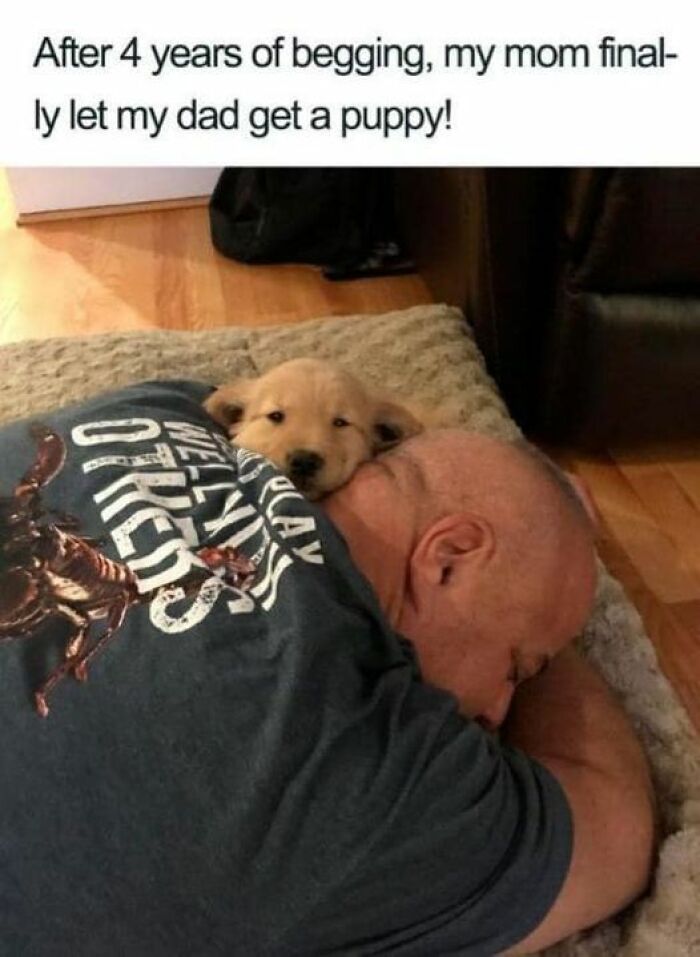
{"type": "Point", "coordinates": [228, 403]}
{"type": "Point", "coordinates": [392, 424]}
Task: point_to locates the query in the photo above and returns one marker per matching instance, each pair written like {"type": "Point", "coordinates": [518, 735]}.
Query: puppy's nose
{"type": "Point", "coordinates": [303, 464]}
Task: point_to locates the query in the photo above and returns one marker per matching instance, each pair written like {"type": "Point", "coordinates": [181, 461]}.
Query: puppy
{"type": "Point", "coordinates": [313, 419]}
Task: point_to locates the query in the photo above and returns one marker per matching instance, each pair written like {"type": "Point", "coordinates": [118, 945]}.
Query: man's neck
{"type": "Point", "coordinates": [379, 537]}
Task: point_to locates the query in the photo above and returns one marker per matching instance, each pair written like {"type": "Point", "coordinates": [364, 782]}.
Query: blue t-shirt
{"type": "Point", "coordinates": [253, 765]}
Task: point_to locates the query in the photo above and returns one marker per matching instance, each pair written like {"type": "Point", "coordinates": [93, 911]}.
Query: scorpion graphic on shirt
{"type": "Point", "coordinates": [49, 571]}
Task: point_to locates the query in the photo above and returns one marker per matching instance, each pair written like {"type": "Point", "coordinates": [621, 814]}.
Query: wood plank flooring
{"type": "Point", "coordinates": [649, 506]}
{"type": "Point", "coordinates": [158, 269]}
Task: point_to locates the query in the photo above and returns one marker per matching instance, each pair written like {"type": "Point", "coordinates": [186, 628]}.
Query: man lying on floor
{"type": "Point", "coordinates": [285, 747]}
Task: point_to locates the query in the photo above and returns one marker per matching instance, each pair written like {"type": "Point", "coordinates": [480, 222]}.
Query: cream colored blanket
{"type": "Point", "coordinates": [428, 354]}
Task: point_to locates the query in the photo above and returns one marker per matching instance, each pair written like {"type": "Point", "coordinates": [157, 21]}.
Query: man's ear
{"type": "Point", "coordinates": [451, 547]}
{"type": "Point", "coordinates": [228, 403]}
{"type": "Point", "coordinates": [392, 424]}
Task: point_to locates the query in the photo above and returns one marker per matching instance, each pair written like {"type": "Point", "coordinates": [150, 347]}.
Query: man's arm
{"type": "Point", "coordinates": [568, 720]}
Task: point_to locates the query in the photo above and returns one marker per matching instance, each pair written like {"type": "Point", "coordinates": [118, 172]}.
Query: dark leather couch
{"type": "Point", "coordinates": [582, 286]}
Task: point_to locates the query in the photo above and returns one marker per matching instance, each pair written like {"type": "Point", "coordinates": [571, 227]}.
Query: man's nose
{"type": "Point", "coordinates": [493, 717]}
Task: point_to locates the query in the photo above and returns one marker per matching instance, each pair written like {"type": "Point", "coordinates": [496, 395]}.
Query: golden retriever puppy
{"type": "Point", "coordinates": [313, 419]}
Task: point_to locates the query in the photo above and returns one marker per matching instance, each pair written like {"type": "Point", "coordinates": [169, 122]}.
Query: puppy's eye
{"type": "Point", "coordinates": [276, 417]}
{"type": "Point", "coordinates": [339, 422]}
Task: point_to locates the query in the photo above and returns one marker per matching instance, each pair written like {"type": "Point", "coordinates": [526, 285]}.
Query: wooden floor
{"type": "Point", "coordinates": [158, 270]}
{"type": "Point", "coordinates": [649, 507]}
{"type": "Point", "coordinates": [147, 270]}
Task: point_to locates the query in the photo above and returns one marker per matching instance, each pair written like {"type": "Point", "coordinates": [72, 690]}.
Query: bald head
{"type": "Point", "coordinates": [481, 554]}
{"type": "Point", "coordinates": [451, 469]}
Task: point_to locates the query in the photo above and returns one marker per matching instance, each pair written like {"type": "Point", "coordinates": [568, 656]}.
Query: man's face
{"type": "Point", "coordinates": [483, 642]}
{"type": "Point", "coordinates": [481, 617]}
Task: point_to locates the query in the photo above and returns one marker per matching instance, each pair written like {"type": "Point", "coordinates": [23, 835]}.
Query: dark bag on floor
{"type": "Point", "coordinates": [325, 217]}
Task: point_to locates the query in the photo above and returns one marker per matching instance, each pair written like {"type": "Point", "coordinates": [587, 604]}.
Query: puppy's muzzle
{"type": "Point", "coordinates": [303, 465]}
